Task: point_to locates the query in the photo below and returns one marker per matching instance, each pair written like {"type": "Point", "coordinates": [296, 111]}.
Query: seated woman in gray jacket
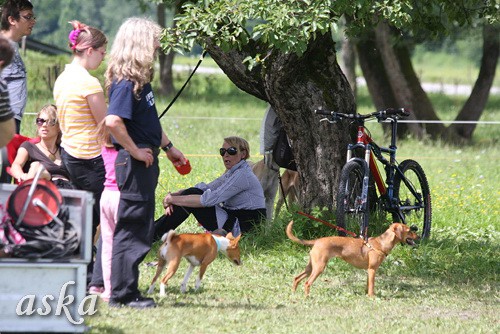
{"type": "Point", "coordinates": [234, 201]}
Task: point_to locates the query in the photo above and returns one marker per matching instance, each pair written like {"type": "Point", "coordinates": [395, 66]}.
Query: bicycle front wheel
{"type": "Point", "coordinates": [414, 196]}
{"type": "Point", "coordinates": [352, 213]}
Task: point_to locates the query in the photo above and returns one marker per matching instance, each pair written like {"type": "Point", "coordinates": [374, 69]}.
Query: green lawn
{"type": "Point", "coordinates": [446, 285]}
{"type": "Point", "coordinates": [449, 284]}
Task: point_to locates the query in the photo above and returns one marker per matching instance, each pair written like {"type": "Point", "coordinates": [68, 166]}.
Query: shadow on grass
{"type": "Point", "coordinates": [453, 255]}
{"type": "Point", "coordinates": [217, 305]}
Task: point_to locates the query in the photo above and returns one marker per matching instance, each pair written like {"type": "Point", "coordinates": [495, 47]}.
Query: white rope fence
{"type": "Point", "coordinates": [445, 122]}
{"type": "Point", "coordinates": [260, 119]}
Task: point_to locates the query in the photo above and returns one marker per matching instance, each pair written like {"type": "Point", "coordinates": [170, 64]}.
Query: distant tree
{"type": "Point", "coordinates": [474, 106]}
{"type": "Point", "coordinates": [391, 79]}
{"type": "Point", "coordinates": [52, 25]}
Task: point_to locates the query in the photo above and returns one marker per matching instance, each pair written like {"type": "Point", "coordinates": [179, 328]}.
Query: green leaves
{"type": "Point", "coordinates": [284, 25]}
{"type": "Point", "coordinates": [289, 26]}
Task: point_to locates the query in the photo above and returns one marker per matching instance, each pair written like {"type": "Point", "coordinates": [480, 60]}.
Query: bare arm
{"type": "Point", "coordinates": [16, 169]}
{"type": "Point", "coordinates": [98, 107]}
{"type": "Point", "coordinates": [173, 154]}
{"type": "Point", "coordinates": [190, 201]}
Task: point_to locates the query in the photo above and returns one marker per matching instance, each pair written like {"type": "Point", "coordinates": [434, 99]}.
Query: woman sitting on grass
{"type": "Point", "coordinates": [234, 201]}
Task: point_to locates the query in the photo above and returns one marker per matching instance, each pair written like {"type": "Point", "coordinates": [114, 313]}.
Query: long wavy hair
{"type": "Point", "coordinates": [133, 53]}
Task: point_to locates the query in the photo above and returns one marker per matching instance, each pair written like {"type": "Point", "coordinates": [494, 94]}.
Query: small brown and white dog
{"type": "Point", "coordinates": [200, 249]}
{"type": "Point", "coordinates": [363, 255]}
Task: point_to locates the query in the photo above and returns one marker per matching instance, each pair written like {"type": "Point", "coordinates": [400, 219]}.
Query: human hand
{"type": "Point", "coordinates": [144, 154]}
{"type": "Point", "coordinates": [167, 200]}
{"type": "Point", "coordinates": [176, 157]}
{"type": "Point", "coordinates": [169, 210]}
{"type": "Point", "coordinates": [167, 204]}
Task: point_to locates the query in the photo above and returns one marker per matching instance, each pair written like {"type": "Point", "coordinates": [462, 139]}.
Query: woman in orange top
{"type": "Point", "coordinates": [81, 107]}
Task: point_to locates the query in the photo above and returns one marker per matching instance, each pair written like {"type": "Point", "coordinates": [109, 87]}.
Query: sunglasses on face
{"type": "Point", "coordinates": [29, 17]}
{"type": "Point", "coordinates": [50, 122]}
{"type": "Point", "coordinates": [231, 151]}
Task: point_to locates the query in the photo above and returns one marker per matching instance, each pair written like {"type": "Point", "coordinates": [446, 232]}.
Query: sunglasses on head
{"type": "Point", "coordinates": [231, 151]}
{"type": "Point", "coordinates": [40, 121]}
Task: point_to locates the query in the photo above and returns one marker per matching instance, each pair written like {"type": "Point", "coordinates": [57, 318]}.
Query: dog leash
{"type": "Point", "coordinates": [282, 191]}
{"type": "Point", "coordinates": [183, 86]}
{"type": "Point", "coordinates": [327, 224]}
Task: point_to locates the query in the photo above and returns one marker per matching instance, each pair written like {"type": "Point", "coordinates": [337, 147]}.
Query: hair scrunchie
{"type": "Point", "coordinates": [73, 35]}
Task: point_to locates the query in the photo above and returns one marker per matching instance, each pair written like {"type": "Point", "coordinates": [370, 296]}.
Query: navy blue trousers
{"type": "Point", "coordinates": [134, 229]}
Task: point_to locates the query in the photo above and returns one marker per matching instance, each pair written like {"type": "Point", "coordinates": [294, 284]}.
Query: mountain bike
{"type": "Point", "coordinates": [404, 194]}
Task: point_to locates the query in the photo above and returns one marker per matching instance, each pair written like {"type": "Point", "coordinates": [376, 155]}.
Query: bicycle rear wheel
{"type": "Point", "coordinates": [352, 213]}
{"type": "Point", "coordinates": [416, 210]}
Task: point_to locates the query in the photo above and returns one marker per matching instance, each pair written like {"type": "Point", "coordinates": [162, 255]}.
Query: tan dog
{"type": "Point", "coordinates": [200, 249]}
{"type": "Point", "coordinates": [270, 184]}
{"type": "Point", "coordinates": [269, 180]}
{"type": "Point", "coordinates": [290, 182]}
{"type": "Point", "coordinates": [364, 255]}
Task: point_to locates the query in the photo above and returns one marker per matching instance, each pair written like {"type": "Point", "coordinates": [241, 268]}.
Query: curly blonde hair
{"type": "Point", "coordinates": [133, 53]}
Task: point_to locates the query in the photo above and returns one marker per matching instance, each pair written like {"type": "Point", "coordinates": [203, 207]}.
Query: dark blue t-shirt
{"type": "Point", "coordinates": [140, 116]}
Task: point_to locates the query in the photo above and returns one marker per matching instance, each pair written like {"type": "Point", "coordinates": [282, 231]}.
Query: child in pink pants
{"type": "Point", "coordinates": [109, 208]}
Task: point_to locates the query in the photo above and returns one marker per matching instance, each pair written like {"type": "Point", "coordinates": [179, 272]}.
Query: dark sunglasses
{"type": "Point", "coordinates": [50, 122]}
{"type": "Point", "coordinates": [231, 151]}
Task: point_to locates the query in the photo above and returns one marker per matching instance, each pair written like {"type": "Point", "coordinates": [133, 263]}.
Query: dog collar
{"type": "Point", "coordinates": [217, 241]}
{"type": "Point", "coordinates": [377, 250]}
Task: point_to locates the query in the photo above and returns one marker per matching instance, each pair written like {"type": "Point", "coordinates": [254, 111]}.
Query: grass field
{"type": "Point", "coordinates": [448, 284]}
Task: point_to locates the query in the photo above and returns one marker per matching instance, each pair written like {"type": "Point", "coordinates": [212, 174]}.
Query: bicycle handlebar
{"type": "Point", "coordinates": [380, 115]}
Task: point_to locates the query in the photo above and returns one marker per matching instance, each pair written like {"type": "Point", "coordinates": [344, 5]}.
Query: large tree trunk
{"type": "Point", "coordinates": [295, 86]}
{"type": "Point", "coordinates": [473, 108]}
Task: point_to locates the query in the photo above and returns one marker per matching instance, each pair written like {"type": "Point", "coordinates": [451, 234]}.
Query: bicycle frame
{"type": "Point", "coordinates": [365, 142]}
{"type": "Point", "coordinates": [373, 152]}
{"type": "Point", "coordinates": [352, 198]}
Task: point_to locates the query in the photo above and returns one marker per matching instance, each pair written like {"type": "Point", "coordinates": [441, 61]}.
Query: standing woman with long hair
{"type": "Point", "coordinates": [137, 134]}
{"type": "Point", "coordinates": [81, 106]}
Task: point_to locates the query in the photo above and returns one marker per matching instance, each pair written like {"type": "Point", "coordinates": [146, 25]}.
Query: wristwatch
{"type": "Point", "coordinates": [167, 147]}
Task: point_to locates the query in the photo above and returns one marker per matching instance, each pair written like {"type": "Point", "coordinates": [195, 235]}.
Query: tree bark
{"type": "Point", "coordinates": [398, 82]}
{"type": "Point", "coordinates": [166, 60]}
{"type": "Point", "coordinates": [349, 63]}
{"type": "Point", "coordinates": [475, 104]}
{"type": "Point", "coordinates": [373, 68]}
{"type": "Point", "coordinates": [294, 86]}
{"type": "Point", "coordinates": [421, 104]}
